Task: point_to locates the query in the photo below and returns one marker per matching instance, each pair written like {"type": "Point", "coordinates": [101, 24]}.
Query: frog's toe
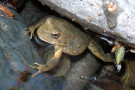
{"type": "Point", "coordinates": [31, 30]}
{"type": "Point", "coordinates": [26, 32]}
{"type": "Point", "coordinates": [32, 67]}
{"type": "Point", "coordinates": [26, 28]}
{"type": "Point", "coordinates": [37, 64]}
{"type": "Point", "coordinates": [41, 68]}
{"type": "Point", "coordinates": [31, 35]}
{"type": "Point", "coordinates": [36, 73]}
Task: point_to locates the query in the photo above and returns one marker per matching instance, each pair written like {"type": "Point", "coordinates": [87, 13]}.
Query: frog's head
{"type": "Point", "coordinates": [53, 31]}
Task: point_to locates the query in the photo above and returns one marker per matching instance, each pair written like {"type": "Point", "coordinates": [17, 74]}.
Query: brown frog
{"type": "Point", "coordinates": [66, 38]}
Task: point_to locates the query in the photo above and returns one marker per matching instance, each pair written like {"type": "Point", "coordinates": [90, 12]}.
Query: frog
{"type": "Point", "coordinates": [66, 38]}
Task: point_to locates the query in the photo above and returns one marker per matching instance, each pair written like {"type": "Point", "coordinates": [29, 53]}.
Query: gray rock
{"type": "Point", "coordinates": [118, 24]}
{"type": "Point", "coordinates": [31, 13]}
{"type": "Point", "coordinates": [16, 53]}
{"type": "Point", "coordinates": [79, 74]}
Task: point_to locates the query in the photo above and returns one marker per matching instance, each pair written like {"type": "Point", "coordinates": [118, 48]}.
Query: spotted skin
{"type": "Point", "coordinates": [66, 38]}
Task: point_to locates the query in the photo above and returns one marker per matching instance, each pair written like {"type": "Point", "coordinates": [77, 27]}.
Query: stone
{"type": "Point", "coordinates": [17, 52]}
{"type": "Point", "coordinates": [94, 15]}
{"type": "Point", "coordinates": [81, 71]}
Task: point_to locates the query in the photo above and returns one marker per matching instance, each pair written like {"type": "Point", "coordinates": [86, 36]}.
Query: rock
{"type": "Point", "coordinates": [31, 13]}
{"type": "Point", "coordinates": [17, 52]}
{"type": "Point", "coordinates": [85, 67]}
{"type": "Point", "coordinates": [94, 15]}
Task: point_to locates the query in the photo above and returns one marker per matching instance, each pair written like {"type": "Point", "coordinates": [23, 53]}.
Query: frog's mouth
{"type": "Point", "coordinates": [48, 46]}
{"type": "Point", "coordinates": [41, 42]}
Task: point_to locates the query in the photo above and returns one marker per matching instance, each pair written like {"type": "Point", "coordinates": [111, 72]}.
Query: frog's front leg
{"type": "Point", "coordinates": [96, 49]}
{"type": "Point", "coordinates": [50, 64]}
{"type": "Point", "coordinates": [33, 28]}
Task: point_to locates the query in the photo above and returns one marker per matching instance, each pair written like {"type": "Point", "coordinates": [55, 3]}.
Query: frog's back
{"type": "Point", "coordinates": [77, 44]}
{"type": "Point", "coordinates": [77, 40]}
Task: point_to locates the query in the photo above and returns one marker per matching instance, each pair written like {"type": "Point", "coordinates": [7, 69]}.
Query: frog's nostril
{"type": "Point", "coordinates": [55, 35]}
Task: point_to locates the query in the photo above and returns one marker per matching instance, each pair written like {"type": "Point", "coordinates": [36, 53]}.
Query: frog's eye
{"type": "Point", "coordinates": [55, 35]}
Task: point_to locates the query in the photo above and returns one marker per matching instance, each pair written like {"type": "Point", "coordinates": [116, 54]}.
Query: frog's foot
{"type": "Point", "coordinates": [128, 77]}
{"type": "Point", "coordinates": [51, 63]}
{"type": "Point", "coordinates": [41, 68]}
{"type": "Point", "coordinates": [31, 30]}
{"type": "Point", "coordinates": [62, 68]}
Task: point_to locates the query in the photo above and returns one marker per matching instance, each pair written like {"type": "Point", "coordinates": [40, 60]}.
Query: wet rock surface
{"type": "Point", "coordinates": [31, 13]}
{"type": "Point", "coordinates": [95, 16]}
{"type": "Point", "coordinates": [17, 52]}
{"type": "Point", "coordinates": [84, 67]}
